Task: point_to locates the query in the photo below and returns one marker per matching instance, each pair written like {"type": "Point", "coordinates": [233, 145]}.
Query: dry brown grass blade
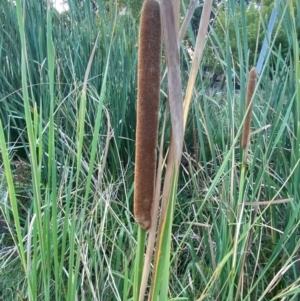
{"type": "Point", "coordinates": [288, 264]}
{"type": "Point", "coordinates": [174, 79]}
{"type": "Point", "coordinates": [268, 203]}
{"type": "Point", "coordinates": [88, 68]}
{"type": "Point", "coordinates": [174, 97]}
{"type": "Point", "coordinates": [200, 43]}
{"type": "Point", "coordinates": [187, 19]}
{"type": "Point", "coordinates": [184, 25]}
{"type": "Point", "coordinates": [167, 183]}
{"type": "Point", "coordinates": [176, 12]}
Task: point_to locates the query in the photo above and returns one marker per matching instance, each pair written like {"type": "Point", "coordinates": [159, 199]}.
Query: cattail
{"type": "Point", "coordinates": [250, 91]}
{"type": "Point", "coordinates": [147, 111]}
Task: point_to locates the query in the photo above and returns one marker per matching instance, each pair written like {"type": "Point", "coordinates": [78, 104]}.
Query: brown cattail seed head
{"type": "Point", "coordinates": [147, 111]}
{"type": "Point", "coordinates": [250, 91]}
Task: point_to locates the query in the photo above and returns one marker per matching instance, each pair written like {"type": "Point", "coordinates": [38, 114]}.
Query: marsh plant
{"type": "Point", "coordinates": [125, 176]}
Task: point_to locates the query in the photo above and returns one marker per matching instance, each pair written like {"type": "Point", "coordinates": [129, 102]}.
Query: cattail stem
{"type": "Point", "coordinates": [247, 123]}
{"type": "Point", "coordinates": [147, 111]}
{"type": "Point", "coordinates": [244, 144]}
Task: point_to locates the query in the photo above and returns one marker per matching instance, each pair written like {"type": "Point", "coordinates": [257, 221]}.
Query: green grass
{"type": "Point", "coordinates": [67, 112]}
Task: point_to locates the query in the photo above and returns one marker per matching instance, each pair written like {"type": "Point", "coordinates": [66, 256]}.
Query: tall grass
{"type": "Point", "coordinates": [67, 110]}
{"type": "Point", "coordinates": [72, 72]}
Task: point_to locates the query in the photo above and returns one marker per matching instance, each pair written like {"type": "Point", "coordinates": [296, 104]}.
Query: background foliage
{"type": "Point", "coordinates": [257, 15]}
{"type": "Point", "coordinates": [67, 230]}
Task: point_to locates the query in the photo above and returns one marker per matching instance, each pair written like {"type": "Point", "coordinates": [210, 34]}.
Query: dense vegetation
{"type": "Point", "coordinates": [257, 15]}
{"type": "Point", "coordinates": [67, 111]}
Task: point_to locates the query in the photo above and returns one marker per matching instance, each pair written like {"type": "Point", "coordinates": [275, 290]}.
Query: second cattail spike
{"type": "Point", "coordinates": [250, 92]}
